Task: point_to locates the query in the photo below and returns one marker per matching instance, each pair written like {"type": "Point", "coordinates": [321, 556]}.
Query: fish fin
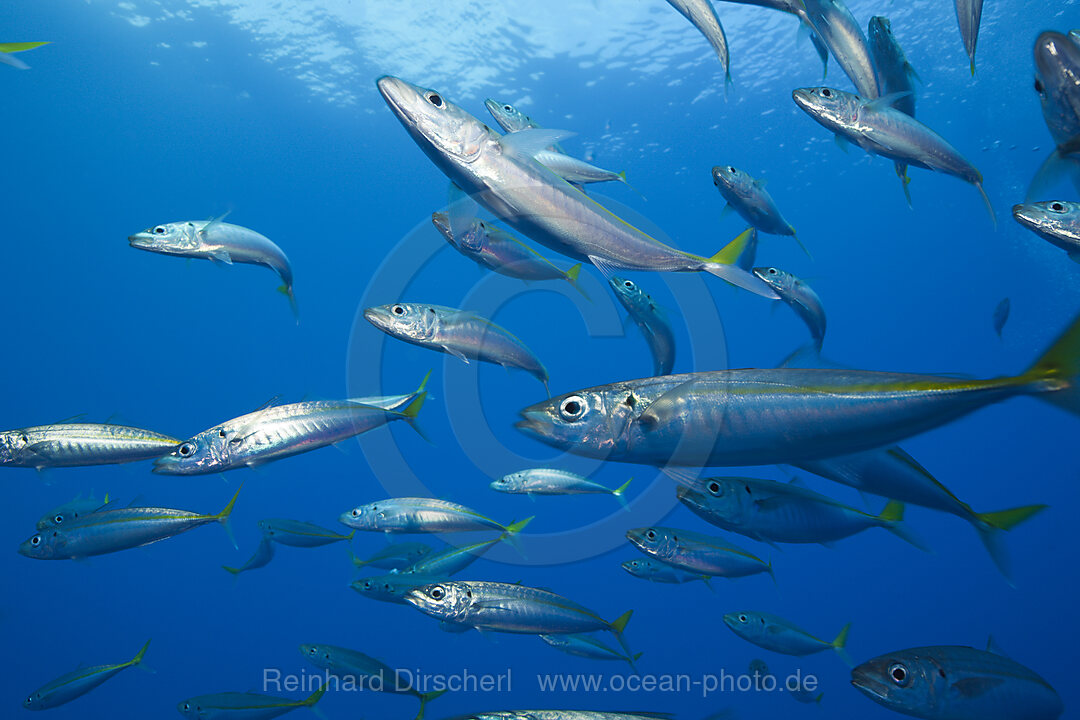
{"type": "Point", "coordinates": [885, 101]}
{"type": "Point", "coordinates": [232, 570]}
{"type": "Point", "coordinates": [455, 352]}
{"type": "Point", "coordinates": [841, 142]}
{"type": "Point", "coordinates": [137, 660]}
{"type": "Point", "coordinates": [795, 236]}
{"type": "Point", "coordinates": [986, 199]}
{"type": "Point", "coordinates": [622, 178]}
{"type": "Point", "coordinates": [606, 268]}
{"type": "Point", "coordinates": [461, 210]}
{"type": "Point", "coordinates": [427, 697]}
{"type": "Point", "coordinates": [287, 291]}
{"type": "Point", "coordinates": [707, 581]}
{"type": "Point", "coordinates": [1057, 371]}
{"type": "Point", "coordinates": [572, 275]}
{"type": "Point", "coordinates": [1053, 170]}
{"type": "Point", "coordinates": [316, 696]}
{"type": "Point", "coordinates": [726, 211]}
{"type": "Point", "coordinates": [993, 647]}
{"type": "Point", "coordinates": [972, 687]}
{"type": "Point", "coordinates": [618, 626]}
{"type": "Point", "coordinates": [619, 494]}
{"type": "Point", "coordinates": [221, 257]}
{"type": "Point", "coordinates": [748, 255]}
{"type": "Point", "coordinates": [839, 643]}
{"type": "Point", "coordinates": [511, 531]}
{"type": "Point", "coordinates": [990, 527]}
{"type": "Point", "coordinates": [527, 143]}
{"type": "Point", "coordinates": [892, 519]}
{"type": "Point", "coordinates": [223, 517]}
{"type": "Point", "coordinates": [13, 61]}
{"type": "Point", "coordinates": [21, 46]}
{"type": "Point", "coordinates": [724, 265]}
{"type": "Point", "coordinates": [412, 410]}
{"type": "Point", "coordinates": [682, 476]}
{"type": "Point", "coordinates": [901, 172]}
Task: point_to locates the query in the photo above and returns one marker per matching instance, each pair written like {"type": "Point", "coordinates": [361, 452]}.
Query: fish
{"type": "Point", "coordinates": [563, 715]}
{"type": "Point", "coordinates": [509, 118]}
{"type": "Point", "coordinates": [952, 682]}
{"type": "Point", "coordinates": [77, 683]}
{"type": "Point", "coordinates": [220, 242]}
{"type": "Point", "coordinates": [781, 415]}
{"type": "Point", "coordinates": [112, 530]}
{"type": "Point", "coordinates": [880, 129]}
{"type": "Point", "coordinates": [279, 431]}
{"type": "Point", "coordinates": [550, 481]}
{"type": "Point", "coordinates": [576, 171]}
{"type": "Point", "coordinates": [805, 695]}
{"type": "Point", "coordinates": [300, 534]}
{"type": "Point", "coordinates": [1057, 83]}
{"type": "Point", "coordinates": [834, 24]}
{"type": "Point", "coordinates": [395, 556]}
{"type": "Point", "coordinates": [519, 609]}
{"type": "Point", "coordinates": [501, 174]}
{"type": "Point", "coordinates": [499, 251]}
{"type": "Point", "coordinates": [1001, 315]}
{"type": "Point", "coordinates": [702, 15]}
{"type": "Point", "coordinates": [891, 472]}
{"type": "Point", "coordinates": [800, 297]}
{"type": "Point", "coordinates": [7, 50]}
{"type": "Point", "coordinates": [264, 553]}
{"type": "Point", "coordinates": [366, 672]}
{"type": "Point", "coordinates": [587, 646]}
{"type": "Point", "coordinates": [747, 196]}
{"type": "Point", "coordinates": [779, 635]}
{"type": "Point", "coordinates": [452, 561]}
{"type": "Point", "coordinates": [775, 512]}
{"type": "Point", "coordinates": [71, 511]}
{"type": "Point", "coordinates": [656, 571]}
{"type": "Point", "coordinates": [423, 515]}
{"type": "Point", "coordinates": [650, 319]}
{"type": "Point", "coordinates": [80, 444]}
{"type": "Point", "coordinates": [894, 75]}
{"type": "Point", "coordinates": [1056, 221]}
{"type": "Point", "coordinates": [393, 587]}
{"type": "Point", "coordinates": [759, 667]}
{"type": "Point", "coordinates": [244, 705]}
{"type": "Point", "coordinates": [795, 8]}
{"type": "Point", "coordinates": [968, 16]}
{"type": "Point", "coordinates": [697, 553]}
{"type": "Point", "coordinates": [460, 333]}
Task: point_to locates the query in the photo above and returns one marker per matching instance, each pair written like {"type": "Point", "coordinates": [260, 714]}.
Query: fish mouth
{"type": "Point", "coordinates": [167, 465]}
{"type": "Point", "coordinates": [803, 98]}
{"type": "Point", "coordinates": [533, 423]}
{"type": "Point", "coordinates": [441, 221]}
{"type": "Point", "coordinates": [1025, 216]}
{"type": "Point", "coordinates": [1051, 49]}
{"type": "Point", "coordinates": [141, 241]}
{"type": "Point", "coordinates": [396, 92]}
{"type": "Point", "coordinates": [379, 317]}
{"type": "Point", "coordinates": [868, 685]}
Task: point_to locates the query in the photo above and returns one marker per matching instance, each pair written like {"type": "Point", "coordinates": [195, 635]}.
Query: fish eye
{"type": "Point", "coordinates": [186, 450]}
{"type": "Point", "coordinates": [221, 432]}
{"type": "Point", "coordinates": [572, 408]}
{"type": "Point", "coordinates": [29, 699]}
{"type": "Point", "coordinates": [58, 519]}
{"type": "Point", "coordinates": [24, 438]}
{"type": "Point", "coordinates": [398, 310]}
{"type": "Point", "coordinates": [772, 271]}
{"type": "Point", "coordinates": [437, 593]}
{"type": "Point", "coordinates": [826, 93]}
{"type": "Point", "coordinates": [742, 618]}
{"type": "Point", "coordinates": [1057, 207]}
{"type": "Point", "coordinates": [1039, 86]}
{"type": "Point", "coordinates": [355, 512]}
{"type": "Point", "coordinates": [36, 540]}
{"type": "Point", "coordinates": [159, 230]}
{"type": "Point", "coordinates": [508, 108]}
{"type": "Point", "coordinates": [650, 534]}
{"type": "Point", "coordinates": [714, 487]}
{"type": "Point", "coordinates": [731, 170]}
{"type": "Point", "coordinates": [435, 100]}
{"type": "Point", "coordinates": [899, 674]}
{"type": "Point", "coordinates": [628, 283]}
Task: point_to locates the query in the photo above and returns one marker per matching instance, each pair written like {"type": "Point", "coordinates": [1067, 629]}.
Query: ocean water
{"type": "Point", "coordinates": [146, 112]}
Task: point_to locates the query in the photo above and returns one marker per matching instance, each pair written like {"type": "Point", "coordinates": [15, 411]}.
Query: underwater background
{"type": "Point", "coordinates": [145, 112]}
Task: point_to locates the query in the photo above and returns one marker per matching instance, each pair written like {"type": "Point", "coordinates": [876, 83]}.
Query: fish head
{"type": "Point", "coordinates": [15, 447]}
{"type": "Point", "coordinates": [204, 453]}
{"type": "Point", "coordinates": [1051, 217]}
{"type": "Point", "coordinates": [58, 517]}
{"type": "Point", "coordinates": [908, 681]}
{"type": "Point", "coordinates": [191, 708]}
{"type": "Point", "coordinates": [510, 119]}
{"type": "Point", "coordinates": [472, 240]}
{"type": "Point", "coordinates": [779, 280]}
{"type": "Point", "coordinates": [721, 498]}
{"type": "Point", "coordinates": [628, 292]}
{"type": "Point", "coordinates": [835, 109]}
{"type": "Point", "coordinates": [364, 517]}
{"type": "Point", "coordinates": [44, 545]}
{"type": "Point", "coordinates": [176, 238]}
{"type": "Point", "coordinates": [32, 702]}
{"type": "Point", "coordinates": [1057, 82]}
{"type": "Point", "coordinates": [512, 482]}
{"type": "Point", "coordinates": [317, 655]}
{"type": "Point", "coordinates": [731, 181]}
{"type": "Point", "coordinates": [639, 567]}
{"type": "Point", "coordinates": [745, 623]}
{"type": "Point", "coordinates": [592, 422]}
{"type": "Point", "coordinates": [406, 321]}
{"type": "Point", "coordinates": [655, 541]}
{"type": "Point", "coordinates": [444, 600]}
{"type": "Point", "coordinates": [449, 135]}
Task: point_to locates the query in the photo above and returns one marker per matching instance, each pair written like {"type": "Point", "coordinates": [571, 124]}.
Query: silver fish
{"type": "Point", "coordinates": [118, 529]}
{"type": "Point", "coordinates": [894, 75]}
{"type": "Point", "coordinates": [71, 511]}
{"type": "Point", "coordinates": [833, 22]}
{"type": "Point", "coordinates": [80, 444]}
{"type": "Point", "coordinates": [772, 632]}
{"type": "Point", "coordinates": [748, 197]}
{"type": "Point", "coordinates": [395, 556]}
{"type": "Point", "coordinates": [1057, 82]}
{"type": "Point", "coordinates": [300, 534]}
{"type": "Point", "coordinates": [502, 175]}
{"type": "Point", "coordinates": [968, 17]}
{"type": "Point", "coordinates": [950, 682]}
{"type": "Point", "coordinates": [800, 297]}
{"type": "Point", "coordinates": [1056, 221]}
{"type": "Point", "coordinates": [697, 553]}
{"type": "Point", "coordinates": [701, 15]}
{"type": "Point", "coordinates": [244, 706]}
{"type": "Point", "coordinates": [219, 242]}
{"type": "Point", "coordinates": [654, 570]}
{"type": "Point", "coordinates": [278, 431]}
{"type": "Point", "coordinates": [77, 683]}
{"type": "Point", "coordinates": [393, 587]}
{"type": "Point", "coordinates": [501, 252]}
{"type": "Point", "coordinates": [880, 129]}
{"type": "Point", "coordinates": [510, 119]}
{"type": "Point", "coordinates": [549, 481]}
{"type": "Point", "coordinates": [264, 553]}
{"type": "Point", "coordinates": [452, 561]}
{"type": "Point", "coordinates": [423, 515]}
{"type": "Point", "coordinates": [576, 171]}
{"type": "Point", "coordinates": [587, 646]}
{"type": "Point", "coordinates": [650, 318]}
{"type": "Point", "coordinates": [795, 8]}
{"type": "Point", "coordinates": [460, 333]}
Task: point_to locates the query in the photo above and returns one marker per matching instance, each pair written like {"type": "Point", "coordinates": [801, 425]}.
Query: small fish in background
{"type": "Point", "coordinates": [395, 556]}
{"type": "Point", "coordinates": [796, 9]}
{"type": "Point", "coordinates": [346, 664]}
{"type": "Point", "coordinates": [460, 333]}
{"type": "Point", "coordinates": [499, 251]}
{"type": "Point", "coordinates": [759, 667]}
{"type": "Point", "coordinates": [587, 646]}
{"type": "Point", "coordinates": [244, 705]}
{"type": "Point", "coordinates": [295, 533]}
{"type": "Point", "coordinates": [702, 15]}
{"type": "Point", "coordinates": [880, 129]}
{"type": "Point", "coordinates": [7, 49]}
{"type": "Point", "coordinates": [1056, 221]}
{"type": "Point", "coordinates": [423, 515]}
{"type": "Point", "coordinates": [747, 196]}
{"type": "Point", "coordinates": [654, 570]}
{"type": "Point", "coordinates": [894, 74]}
{"type": "Point", "coordinates": [1057, 83]}
{"type": "Point", "coordinates": [80, 444]}
{"type": "Point", "coordinates": [220, 242]}
{"type": "Point", "coordinates": [510, 119]}
{"type": "Point", "coordinates": [805, 695]}
{"type": "Point", "coordinates": [550, 481]}
{"type": "Point", "coordinates": [71, 511]}
{"type": "Point", "coordinates": [949, 681]}
{"type": "Point", "coordinates": [264, 553]}
{"type": "Point", "coordinates": [274, 432]}
{"type": "Point", "coordinates": [77, 683]}
{"type": "Point", "coordinates": [452, 561]}
{"type": "Point", "coordinates": [392, 587]}
{"type": "Point", "coordinates": [801, 298]}
{"type": "Point", "coordinates": [578, 172]}
{"type": "Point", "coordinates": [835, 25]}
{"type": "Point", "coordinates": [697, 553]}
{"type": "Point", "coordinates": [112, 530]}
{"type": "Point", "coordinates": [650, 319]}
{"type": "Point", "coordinates": [779, 635]}
{"type": "Point", "coordinates": [968, 17]}
{"type": "Point", "coordinates": [1001, 315]}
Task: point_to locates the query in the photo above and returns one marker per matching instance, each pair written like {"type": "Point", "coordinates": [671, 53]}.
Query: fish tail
{"type": "Point", "coordinates": [316, 696]}
{"type": "Point", "coordinates": [632, 660]}
{"type": "Point", "coordinates": [618, 626]}
{"type": "Point", "coordinates": [795, 235]}
{"type": "Point", "coordinates": [620, 493]}
{"type": "Point", "coordinates": [287, 291]}
{"type": "Point", "coordinates": [427, 697]}
{"type": "Point", "coordinates": [986, 199]}
{"type": "Point", "coordinates": [905, 180]}
{"type": "Point", "coordinates": [510, 533]}
{"type": "Point", "coordinates": [137, 660]}
{"type": "Point", "coordinates": [572, 276]}
{"type": "Point", "coordinates": [1055, 373]}
{"type": "Point", "coordinates": [892, 519]}
{"type": "Point", "coordinates": [990, 527]}
{"type": "Point", "coordinates": [223, 517]}
{"type": "Point", "coordinates": [234, 571]}
{"type": "Point", "coordinates": [725, 265]}
{"type": "Point", "coordinates": [624, 181]}
{"type": "Point", "coordinates": [839, 643]}
{"type": "Point", "coordinates": [972, 66]}
{"type": "Point", "coordinates": [413, 408]}
{"type": "Point", "coordinates": [708, 583]}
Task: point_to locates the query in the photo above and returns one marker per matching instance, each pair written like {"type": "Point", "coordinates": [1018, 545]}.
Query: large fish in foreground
{"type": "Point", "coordinates": [219, 242]}
{"type": "Point", "coordinates": [80, 444]}
{"type": "Point", "coordinates": [880, 129]}
{"type": "Point", "coordinates": [278, 431]}
{"type": "Point", "coordinates": [702, 15]}
{"type": "Point", "coordinates": [502, 175]}
{"type": "Point", "coordinates": [77, 683]}
{"type": "Point", "coordinates": [1057, 81]}
{"type": "Point", "coordinates": [1056, 221]}
{"type": "Point", "coordinates": [781, 415]}
{"type": "Point", "coordinates": [952, 682]}
{"type": "Point", "coordinates": [835, 25]}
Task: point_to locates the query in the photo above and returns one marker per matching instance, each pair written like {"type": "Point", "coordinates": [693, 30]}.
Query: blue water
{"type": "Point", "coordinates": [111, 132]}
